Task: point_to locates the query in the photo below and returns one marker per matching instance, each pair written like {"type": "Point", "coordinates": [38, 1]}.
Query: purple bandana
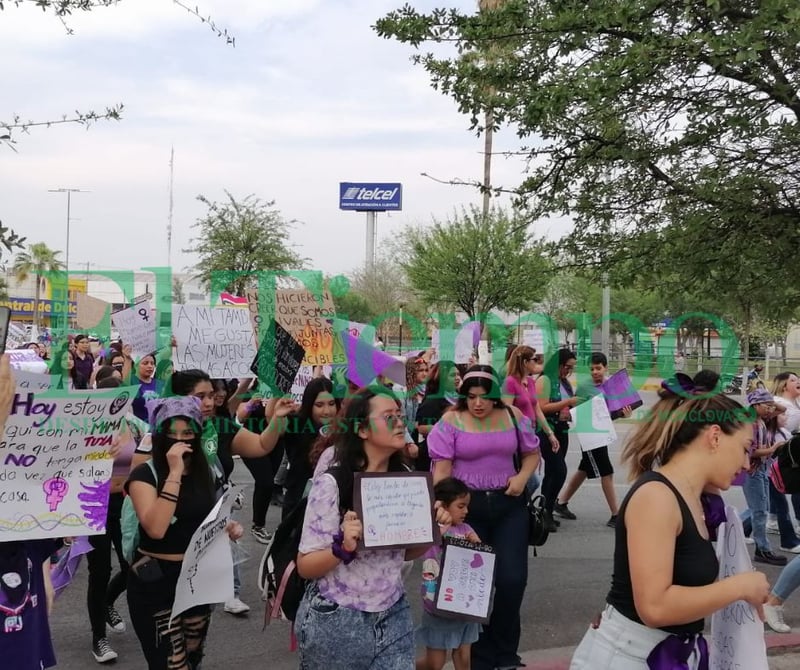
{"type": "Point", "coordinates": [714, 511]}
{"type": "Point", "coordinates": [674, 652]}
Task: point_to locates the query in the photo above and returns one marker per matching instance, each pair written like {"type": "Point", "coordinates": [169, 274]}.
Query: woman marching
{"type": "Point", "coordinates": [354, 613]}
{"type": "Point", "coordinates": [665, 567]}
{"type": "Point", "coordinates": [479, 442]}
{"type": "Point", "coordinates": [171, 497]}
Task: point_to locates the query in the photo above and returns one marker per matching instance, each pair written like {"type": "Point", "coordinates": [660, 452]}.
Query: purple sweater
{"type": "Point", "coordinates": [483, 461]}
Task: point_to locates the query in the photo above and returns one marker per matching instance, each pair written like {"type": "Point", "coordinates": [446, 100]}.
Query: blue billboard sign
{"type": "Point", "coordinates": [363, 197]}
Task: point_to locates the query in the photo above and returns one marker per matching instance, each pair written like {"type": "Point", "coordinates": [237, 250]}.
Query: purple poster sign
{"type": "Point", "coordinates": [619, 392]}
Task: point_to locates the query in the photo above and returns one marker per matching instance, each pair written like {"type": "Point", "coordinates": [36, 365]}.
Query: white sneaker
{"type": "Point", "coordinates": [236, 606]}
{"type": "Point", "coordinates": [772, 527]}
{"type": "Point", "coordinates": [792, 550]}
{"type": "Point", "coordinates": [774, 617]}
{"type": "Point", "coordinates": [749, 540]}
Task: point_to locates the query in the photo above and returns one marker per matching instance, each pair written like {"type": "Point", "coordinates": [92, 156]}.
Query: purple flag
{"type": "Point", "coordinates": [365, 362]}
{"type": "Point", "coordinates": [619, 392]}
{"type": "Point", "coordinates": [67, 566]}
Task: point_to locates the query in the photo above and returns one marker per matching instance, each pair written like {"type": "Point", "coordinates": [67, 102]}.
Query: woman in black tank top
{"type": "Point", "coordinates": [665, 567]}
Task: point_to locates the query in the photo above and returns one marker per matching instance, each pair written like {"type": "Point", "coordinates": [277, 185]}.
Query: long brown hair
{"type": "Point", "coordinates": [515, 365]}
{"type": "Point", "coordinates": [675, 421]}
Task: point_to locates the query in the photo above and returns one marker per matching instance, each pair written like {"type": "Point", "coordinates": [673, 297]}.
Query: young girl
{"type": "Point", "coordinates": [439, 635]}
{"type": "Point", "coordinates": [354, 613]}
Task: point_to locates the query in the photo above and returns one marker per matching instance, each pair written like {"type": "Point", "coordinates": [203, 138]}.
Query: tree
{"type": "Point", "coordinates": [38, 260]}
{"type": "Point", "coordinates": [642, 119]}
{"type": "Point", "coordinates": [241, 238]}
{"type": "Point", "coordinates": [476, 263]}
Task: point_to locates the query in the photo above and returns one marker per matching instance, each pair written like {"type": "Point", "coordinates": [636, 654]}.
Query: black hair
{"type": "Point", "coordinates": [565, 355]}
{"type": "Point", "coordinates": [108, 382]}
{"type": "Point", "coordinates": [80, 338]}
{"type": "Point", "coordinates": [449, 490]}
{"type": "Point", "coordinates": [598, 358]}
{"type": "Point", "coordinates": [199, 471]}
{"type": "Point", "coordinates": [491, 386]}
{"type": "Point", "coordinates": [103, 372]}
{"type": "Point", "coordinates": [439, 378]}
{"type": "Point", "coordinates": [706, 380]}
{"type": "Point", "coordinates": [185, 381]}
{"type": "Point", "coordinates": [315, 387]}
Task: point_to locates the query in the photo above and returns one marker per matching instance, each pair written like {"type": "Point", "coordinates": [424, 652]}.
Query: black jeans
{"type": "Point", "coordinates": [262, 472]}
{"type": "Point", "coordinates": [102, 590]}
{"type": "Point", "coordinates": [176, 644]}
{"type": "Point", "coordinates": [555, 467]}
{"type": "Point", "coordinates": [502, 522]}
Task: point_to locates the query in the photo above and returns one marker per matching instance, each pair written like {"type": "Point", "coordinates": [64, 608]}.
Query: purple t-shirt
{"type": "Point", "coordinates": [483, 461]}
{"type": "Point", "coordinates": [147, 391]}
{"type": "Point", "coordinates": [373, 581]}
{"type": "Point", "coordinates": [25, 642]}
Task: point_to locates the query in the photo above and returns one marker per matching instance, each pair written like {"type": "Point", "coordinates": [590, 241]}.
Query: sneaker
{"type": "Point", "coordinates": [114, 620]}
{"type": "Point", "coordinates": [102, 651]}
{"type": "Point", "coordinates": [769, 557]}
{"type": "Point", "coordinates": [749, 540]}
{"type": "Point", "coordinates": [550, 523]}
{"type": "Point", "coordinates": [773, 614]}
{"type": "Point", "coordinates": [238, 501]}
{"type": "Point", "coordinates": [792, 550]}
{"type": "Point", "coordinates": [261, 535]}
{"type": "Point", "coordinates": [236, 606]}
{"type": "Point", "coordinates": [612, 522]}
{"type": "Point", "coordinates": [563, 511]}
{"type": "Point", "coordinates": [772, 527]}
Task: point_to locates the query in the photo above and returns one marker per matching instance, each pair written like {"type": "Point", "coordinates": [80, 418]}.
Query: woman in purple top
{"type": "Point", "coordinates": [149, 386]}
{"type": "Point", "coordinates": [354, 613]}
{"type": "Point", "coordinates": [477, 442]}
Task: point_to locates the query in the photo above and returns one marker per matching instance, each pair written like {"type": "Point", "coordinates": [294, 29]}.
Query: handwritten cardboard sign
{"type": "Point", "coordinates": [207, 570]}
{"type": "Point", "coordinates": [395, 508]}
{"type": "Point", "coordinates": [594, 427]}
{"type": "Point", "coordinates": [737, 634]}
{"type": "Point", "coordinates": [278, 359]}
{"type": "Point", "coordinates": [218, 340]}
{"type": "Point", "coordinates": [619, 393]}
{"type": "Point", "coordinates": [91, 312]}
{"type": "Point", "coordinates": [137, 327]}
{"type": "Point", "coordinates": [55, 469]}
{"type": "Point", "coordinates": [465, 589]}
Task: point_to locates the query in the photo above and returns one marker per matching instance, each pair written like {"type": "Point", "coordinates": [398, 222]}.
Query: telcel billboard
{"type": "Point", "coordinates": [363, 197]}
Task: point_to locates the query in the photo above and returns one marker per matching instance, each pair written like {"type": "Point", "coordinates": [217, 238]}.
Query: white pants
{"type": "Point", "coordinates": [619, 644]}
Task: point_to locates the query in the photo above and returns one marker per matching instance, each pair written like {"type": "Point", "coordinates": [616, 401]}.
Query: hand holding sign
{"type": "Point", "coordinates": [352, 529]}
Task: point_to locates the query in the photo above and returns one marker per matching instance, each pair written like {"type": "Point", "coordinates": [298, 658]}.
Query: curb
{"type": "Point", "coordinates": [778, 644]}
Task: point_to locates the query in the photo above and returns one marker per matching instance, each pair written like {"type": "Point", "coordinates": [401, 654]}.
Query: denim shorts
{"type": "Point", "coordinates": [340, 638]}
{"type": "Point", "coordinates": [619, 644]}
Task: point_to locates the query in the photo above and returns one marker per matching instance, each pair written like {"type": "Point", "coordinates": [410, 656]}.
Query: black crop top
{"type": "Point", "coordinates": [695, 562]}
{"type": "Point", "coordinates": [190, 512]}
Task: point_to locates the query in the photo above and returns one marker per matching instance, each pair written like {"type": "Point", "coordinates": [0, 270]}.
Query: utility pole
{"type": "Point", "coordinates": [69, 192]}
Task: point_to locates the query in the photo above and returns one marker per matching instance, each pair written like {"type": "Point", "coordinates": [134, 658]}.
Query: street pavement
{"type": "Point", "coordinates": [567, 586]}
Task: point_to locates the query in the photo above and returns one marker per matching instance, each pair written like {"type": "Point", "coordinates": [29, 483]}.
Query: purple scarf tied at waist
{"type": "Point", "coordinates": [674, 652]}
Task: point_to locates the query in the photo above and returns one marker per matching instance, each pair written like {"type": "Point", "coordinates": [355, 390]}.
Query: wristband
{"type": "Point", "coordinates": [168, 496]}
{"type": "Point", "coordinates": [338, 550]}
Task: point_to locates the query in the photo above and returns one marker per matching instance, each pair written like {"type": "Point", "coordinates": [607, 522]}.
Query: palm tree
{"type": "Point", "coordinates": [38, 260]}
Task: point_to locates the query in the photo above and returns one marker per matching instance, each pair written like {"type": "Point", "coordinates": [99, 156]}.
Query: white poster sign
{"type": "Point", "coordinates": [737, 633]}
{"type": "Point", "coordinates": [207, 571]}
{"type": "Point", "coordinates": [55, 469]}
{"type": "Point", "coordinates": [396, 509]}
{"type": "Point", "coordinates": [464, 346]}
{"type": "Point", "coordinates": [137, 327]}
{"type": "Point", "coordinates": [534, 338]}
{"type": "Point", "coordinates": [593, 430]}
{"type": "Point", "coordinates": [466, 581]}
{"type": "Point", "coordinates": [218, 340]}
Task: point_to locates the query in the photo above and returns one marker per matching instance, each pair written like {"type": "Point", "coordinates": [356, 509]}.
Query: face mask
{"type": "Point", "coordinates": [164, 443]}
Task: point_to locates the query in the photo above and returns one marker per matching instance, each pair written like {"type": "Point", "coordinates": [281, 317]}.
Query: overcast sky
{"type": "Point", "coordinates": [310, 96]}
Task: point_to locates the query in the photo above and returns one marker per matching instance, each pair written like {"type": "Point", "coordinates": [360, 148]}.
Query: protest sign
{"type": "Point", "coordinates": [737, 633]}
{"type": "Point", "coordinates": [619, 393]}
{"type": "Point", "coordinates": [362, 331]}
{"type": "Point", "coordinates": [137, 328]}
{"type": "Point", "coordinates": [55, 469]}
{"type": "Point", "coordinates": [27, 360]}
{"type": "Point", "coordinates": [278, 359]}
{"type": "Point", "coordinates": [92, 312]}
{"type": "Point", "coordinates": [395, 508]}
{"type": "Point", "coordinates": [594, 427]}
{"type": "Point", "coordinates": [218, 340]}
{"type": "Point", "coordinates": [303, 378]}
{"type": "Point", "coordinates": [466, 581]}
{"type": "Point", "coordinates": [465, 342]}
{"type": "Point", "coordinates": [207, 569]}
{"type": "Point", "coordinates": [534, 337]}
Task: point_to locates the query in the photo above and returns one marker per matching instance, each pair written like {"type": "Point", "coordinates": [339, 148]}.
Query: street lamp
{"type": "Point", "coordinates": [69, 192]}
{"type": "Point", "coordinates": [400, 344]}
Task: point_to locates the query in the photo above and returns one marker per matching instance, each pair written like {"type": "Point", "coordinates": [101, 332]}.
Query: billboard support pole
{"type": "Point", "coordinates": [370, 240]}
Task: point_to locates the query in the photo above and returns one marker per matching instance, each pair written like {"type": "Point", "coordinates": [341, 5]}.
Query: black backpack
{"type": "Point", "coordinates": [785, 469]}
{"type": "Point", "coordinates": [281, 586]}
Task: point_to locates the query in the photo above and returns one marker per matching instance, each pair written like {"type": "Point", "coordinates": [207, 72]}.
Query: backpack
{"type": "Point", "coordinates": [129, 523]}
{"type": "Point", "coordinates": [280, 584]}
{"type": "Point", "coordinates": [784, 470]}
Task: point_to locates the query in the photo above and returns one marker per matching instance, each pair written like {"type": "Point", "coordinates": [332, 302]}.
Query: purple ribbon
{"type": "Point", "coordinates": [714, 511]}
{"type": "Point", "coordinates": [673, 653]}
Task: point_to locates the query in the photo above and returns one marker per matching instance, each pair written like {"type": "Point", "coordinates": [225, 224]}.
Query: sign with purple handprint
{"type": "Point", "coordinates": [465, 590]}
{"type": "Point", "coordinates": [55, 465]}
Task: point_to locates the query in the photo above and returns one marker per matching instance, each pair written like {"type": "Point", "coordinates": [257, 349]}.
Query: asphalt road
{"type": "Point", "coordinates": [567, 586]}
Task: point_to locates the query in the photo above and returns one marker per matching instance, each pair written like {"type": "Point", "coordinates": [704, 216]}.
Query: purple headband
{"type": "Point", "coordinates": [161, 409]}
